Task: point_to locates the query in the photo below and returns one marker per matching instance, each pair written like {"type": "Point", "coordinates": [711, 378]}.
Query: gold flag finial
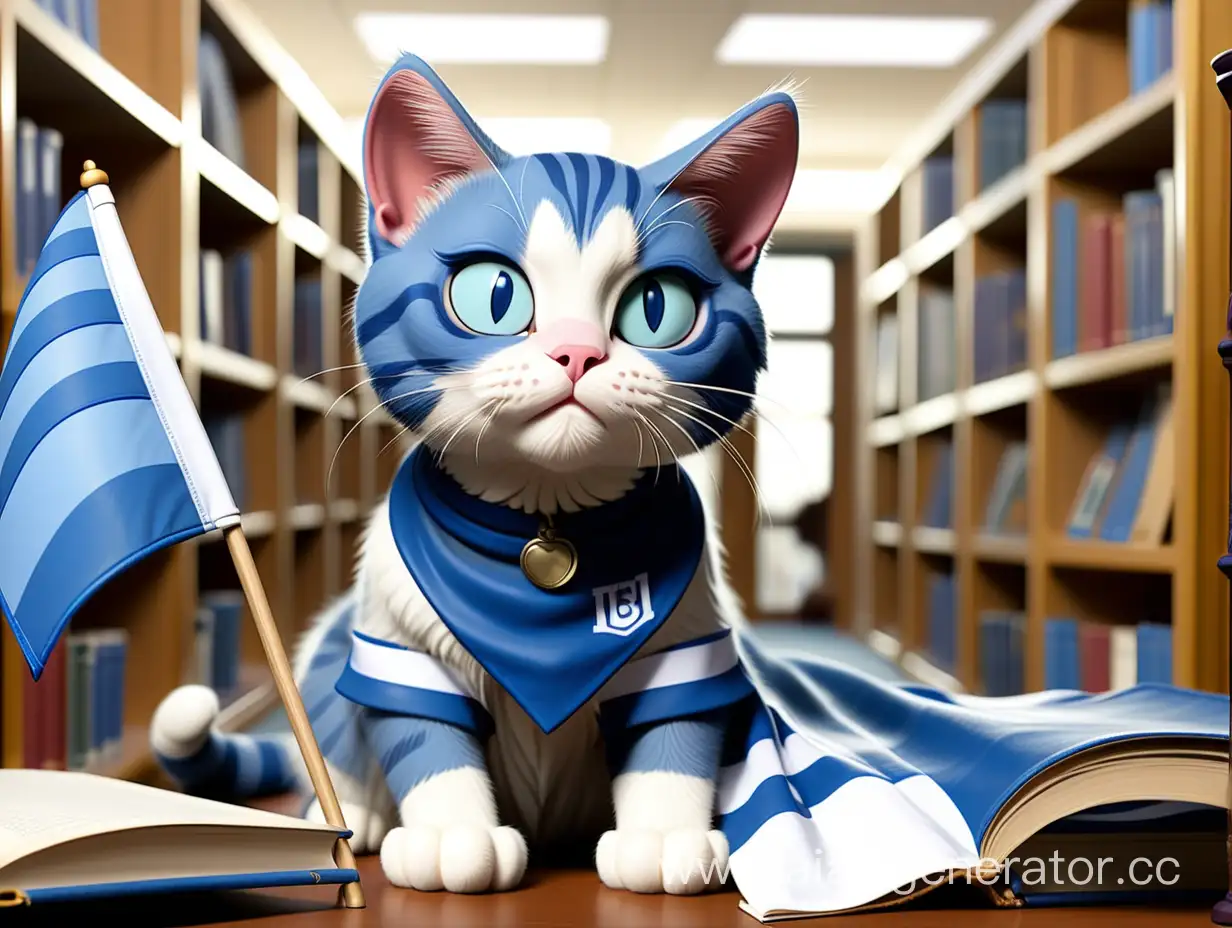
{"type": "Point", "coordinates": [91, 175]}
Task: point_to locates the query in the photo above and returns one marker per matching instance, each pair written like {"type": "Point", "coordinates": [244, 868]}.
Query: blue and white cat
{"type": "Point", "coordinates": [556, 331]}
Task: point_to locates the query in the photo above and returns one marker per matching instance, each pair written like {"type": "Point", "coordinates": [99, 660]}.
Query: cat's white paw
{"type": "Point", "coordinates": [368, 827]}
{"type": "Point", "coordinates": [460, 858]}
{"type": "Point", "coordinates": [182, 721]}
{"type": "Point", "coordinates": [683, 862]}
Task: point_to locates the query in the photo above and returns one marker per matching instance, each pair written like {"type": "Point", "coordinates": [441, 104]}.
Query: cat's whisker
{"type": "Point", "coordinates": [676, 206]}
{"type": "Point", "coordinates": [466, 419]}
{"type": "Point", "coordinates": [380, 406]}
{"type": "Point", "coordinates": [518, 206]}
{"type": "Point", "coordinates": [696, 447]}
{"type": "Point", "coordinates": [756, 397]}
{"type": "Point", "coordinates": [329, 473]}
{"type": "Point", "coordinates": [736, 457]}
{"type": "Point", "coordinates": [653, 444]}
{"type": "Point", "coordinates": [753, 435]}
{"type": "Point", "coordinates": [486, 422]}
{"type": "Point", "coordinates": [393, 441]}
{"type": "Point", "coordinates": [330, 370]}
{"type": "Point", "coordinates": [507, 213]}
{"type": "Point", "coordinates": [659, 225]}
{"type": "Point", "coordinates": [667, 446]}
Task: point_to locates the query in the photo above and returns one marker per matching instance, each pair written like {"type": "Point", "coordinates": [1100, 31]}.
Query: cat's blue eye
{"type": "Point", "coordinates": [492, 299]}
{"type": "Point", "coordinates": [656, 311]}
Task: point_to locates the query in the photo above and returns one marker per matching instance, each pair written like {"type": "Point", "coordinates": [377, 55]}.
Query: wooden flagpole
{"type": "Point", "coordinates": [352, 893]}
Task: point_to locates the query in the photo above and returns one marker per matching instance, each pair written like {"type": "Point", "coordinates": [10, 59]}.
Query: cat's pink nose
{"type": "Point", "coordinates": [577, 359]}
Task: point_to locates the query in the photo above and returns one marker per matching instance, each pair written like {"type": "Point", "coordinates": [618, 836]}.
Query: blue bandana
{"type": "Point", "coordinates": [550, 650]}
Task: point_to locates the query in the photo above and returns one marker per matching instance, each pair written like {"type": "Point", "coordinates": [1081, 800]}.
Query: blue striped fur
{"type": "Point", "coordinates": [89, 480]}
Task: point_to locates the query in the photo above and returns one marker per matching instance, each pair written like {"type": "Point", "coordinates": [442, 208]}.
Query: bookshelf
{"type": "Point", "coordinates": [1056, 377]}
{"type": "Point", "coordinates": [135, 106]}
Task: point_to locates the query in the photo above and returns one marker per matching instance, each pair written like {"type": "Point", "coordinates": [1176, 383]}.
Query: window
{"type": "Point", "coordinates": [794, 458]}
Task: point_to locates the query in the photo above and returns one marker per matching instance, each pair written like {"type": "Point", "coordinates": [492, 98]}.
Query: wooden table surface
{"type": "Point", "coordinates": [549, 899]}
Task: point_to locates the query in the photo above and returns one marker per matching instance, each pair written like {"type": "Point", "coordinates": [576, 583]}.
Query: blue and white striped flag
{"type": "Point", "coordinates": [103, 458]}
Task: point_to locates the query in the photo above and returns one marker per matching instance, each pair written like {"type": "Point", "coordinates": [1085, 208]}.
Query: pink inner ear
{"type": "Point", "coordinates": [745, 176]}
{"type": "Point", "coordinates": [414, 142]}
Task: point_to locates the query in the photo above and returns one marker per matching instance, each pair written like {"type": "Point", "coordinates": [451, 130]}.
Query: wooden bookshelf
{"type": "Point", "coordinates": [134, 108]}
{"type": "Point", "coordinates": [1090, 139]}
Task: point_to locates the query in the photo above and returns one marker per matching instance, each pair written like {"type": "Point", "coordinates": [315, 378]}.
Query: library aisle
{"type": "Point", "coordinates": [1045, 422]}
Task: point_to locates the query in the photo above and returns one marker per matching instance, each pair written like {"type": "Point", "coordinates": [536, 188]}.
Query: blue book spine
{"type": "Point", "coordinates": [98, 700]}
{"type": "Point", "coordinates": [1127, 492]}
{"type": "Point", "coordinates": [120, 688]}
{"type": "Point", "coordinates": [51, 149]}
{"type": "Point", "coordinates": [1166, 36]}
{"type": "Point", "coordinates": [1062, 668]}
{"type": "Point", "coordinates": [1064, 278]}
{"type": "Point", "coordinates": [27, 196]}
{"type": "Point", "coordinates": [88, 18]}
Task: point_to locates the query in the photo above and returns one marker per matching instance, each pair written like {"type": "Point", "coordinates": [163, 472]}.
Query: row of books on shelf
{"type": "Point", "coordinates": [226, 299]}
{"type": "Point", "coordinates": [226, 435]}
{"type": "Point", "coordinates": [73, 717]}
{"type": "Point", "coordinates": [1127, 491]}
{"type": "Point", "coordinates": [39, 189]}
{"type": "Point", "coordinates": [937, 343]}
{"type": "Point", "coordinates": [80, 17]}
{"type": "Point", "coordinates": [220, 112]}
{"type": "Point", "coordinates": [1098, 657]}
{"type": "Point", "coordinates": [937, 180]}
{"type": "Point", "coordinates": [1149, 42]}
{"type": "Point", "coordinates": [309, 327]}
{"type": "Point", "coordinates": [1078, 655]}
{"type": "Point", "coordinates": [1113, 273]}
{"type": "Point", "coordinates": [1000, 324]}
{"type": "Point", "coordinates": [1002, 139]}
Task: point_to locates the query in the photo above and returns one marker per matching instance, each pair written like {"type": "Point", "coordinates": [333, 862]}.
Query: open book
{"type": "Point", "coordinates": [862, 794]}
{"type": "Point", "coordinates": [68, 836]}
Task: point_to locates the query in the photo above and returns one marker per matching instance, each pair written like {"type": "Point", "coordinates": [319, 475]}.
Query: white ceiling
{"type": "Point", "coordinates": [660, 69]}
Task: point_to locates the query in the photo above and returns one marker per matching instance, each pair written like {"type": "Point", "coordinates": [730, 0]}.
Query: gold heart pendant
{"type": "Point", "coordinates": [548, 562]}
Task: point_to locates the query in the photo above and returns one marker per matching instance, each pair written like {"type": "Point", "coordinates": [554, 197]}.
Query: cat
{"type": "Point", "coordinates": [556, 331]}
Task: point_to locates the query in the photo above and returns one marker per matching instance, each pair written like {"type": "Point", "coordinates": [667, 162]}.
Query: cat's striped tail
{"type": "Point", "coordinates": [218, 765]}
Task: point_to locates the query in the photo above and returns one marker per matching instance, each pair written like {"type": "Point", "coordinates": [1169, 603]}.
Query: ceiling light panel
{"type": "Point", "coordinates": [852, 41]}
{"type": "Point", "coordinates": [485, 38]}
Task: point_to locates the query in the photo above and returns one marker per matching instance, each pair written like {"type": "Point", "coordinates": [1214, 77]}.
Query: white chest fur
{"type": "Point", "coordinates": [553, 786]}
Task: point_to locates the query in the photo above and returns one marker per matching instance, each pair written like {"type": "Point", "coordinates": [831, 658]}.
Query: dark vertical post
{"type": "Point", "coordinates": [1222, 913]}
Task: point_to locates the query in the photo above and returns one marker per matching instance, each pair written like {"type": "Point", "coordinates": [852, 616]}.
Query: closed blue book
{"type": "Point", "coordinates": [237, 302]}
{"type": "Point", "coordinates": [309, 180]}
{"type": "Point", "coordinates": [1064, 278]}
{"type": "Point", "coordinates": [1062, 668]}
{"type": "Point", "coordinates": [220, 119]}
{"type": "Point", "coordinates": [1127, 490]}
{"type": "Point", "coordinates": [1165, 36]}
{"type": "Point", "coordinates": [1154, 653]}
{"type": "Point", "coordinates": [940, 495]}
{"type": "Point", "coordinates": [28, 243]}
{"type": "Point", "coordinates": [50, 199]}
{"type": "Point", "coordinates": [1140, 52]}
{"type": "Point", "coordinates": [1016, 657]}
{"type": "Point", "coordinates": [227, 606]}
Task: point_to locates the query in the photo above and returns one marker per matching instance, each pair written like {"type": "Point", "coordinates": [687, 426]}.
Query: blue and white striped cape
{"type": "Point", "coordinates": [103, 458]}
{"type": "Point", "coordinates": [836, 790]}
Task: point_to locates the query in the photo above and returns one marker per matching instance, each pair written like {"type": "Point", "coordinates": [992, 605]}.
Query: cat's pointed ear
{"type": "Point", "coordinates": [738, 175]}
{"type": "Point", "coordinates": [418, 140]}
